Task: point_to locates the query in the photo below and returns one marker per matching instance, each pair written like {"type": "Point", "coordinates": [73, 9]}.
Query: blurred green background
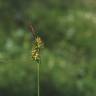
{"type": "Point", "coordinates": [68, 29]}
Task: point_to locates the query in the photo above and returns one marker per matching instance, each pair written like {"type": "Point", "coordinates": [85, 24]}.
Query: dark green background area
{"type": "Point", "coordinates": [68, 59]}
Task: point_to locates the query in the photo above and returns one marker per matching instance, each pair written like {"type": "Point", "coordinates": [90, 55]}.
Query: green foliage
{"type": "Point", "coordinates": [68, 64]}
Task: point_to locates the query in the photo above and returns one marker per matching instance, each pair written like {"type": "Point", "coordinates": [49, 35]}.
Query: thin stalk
{"type": "Point", "coordinates": [38, 78]}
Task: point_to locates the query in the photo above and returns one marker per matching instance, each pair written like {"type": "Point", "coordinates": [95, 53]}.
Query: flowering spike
{"type": "Point", "coordinates": [37, 44]}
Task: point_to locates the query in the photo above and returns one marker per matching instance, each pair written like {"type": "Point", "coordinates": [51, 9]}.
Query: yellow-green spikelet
{"type": "Point", "coordinates": [36, 49]}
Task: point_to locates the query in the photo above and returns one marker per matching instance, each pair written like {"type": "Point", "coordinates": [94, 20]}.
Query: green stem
{"type": "Point", "coordinates": [38, 80]}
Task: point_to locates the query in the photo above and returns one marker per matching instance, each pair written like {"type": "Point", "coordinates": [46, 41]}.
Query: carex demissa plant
{"type": "Point", "coordinates": [37, 44]}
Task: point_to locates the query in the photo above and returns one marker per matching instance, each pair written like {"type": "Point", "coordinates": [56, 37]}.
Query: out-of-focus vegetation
{"type": "Point", "coordinates": [68, 28]}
